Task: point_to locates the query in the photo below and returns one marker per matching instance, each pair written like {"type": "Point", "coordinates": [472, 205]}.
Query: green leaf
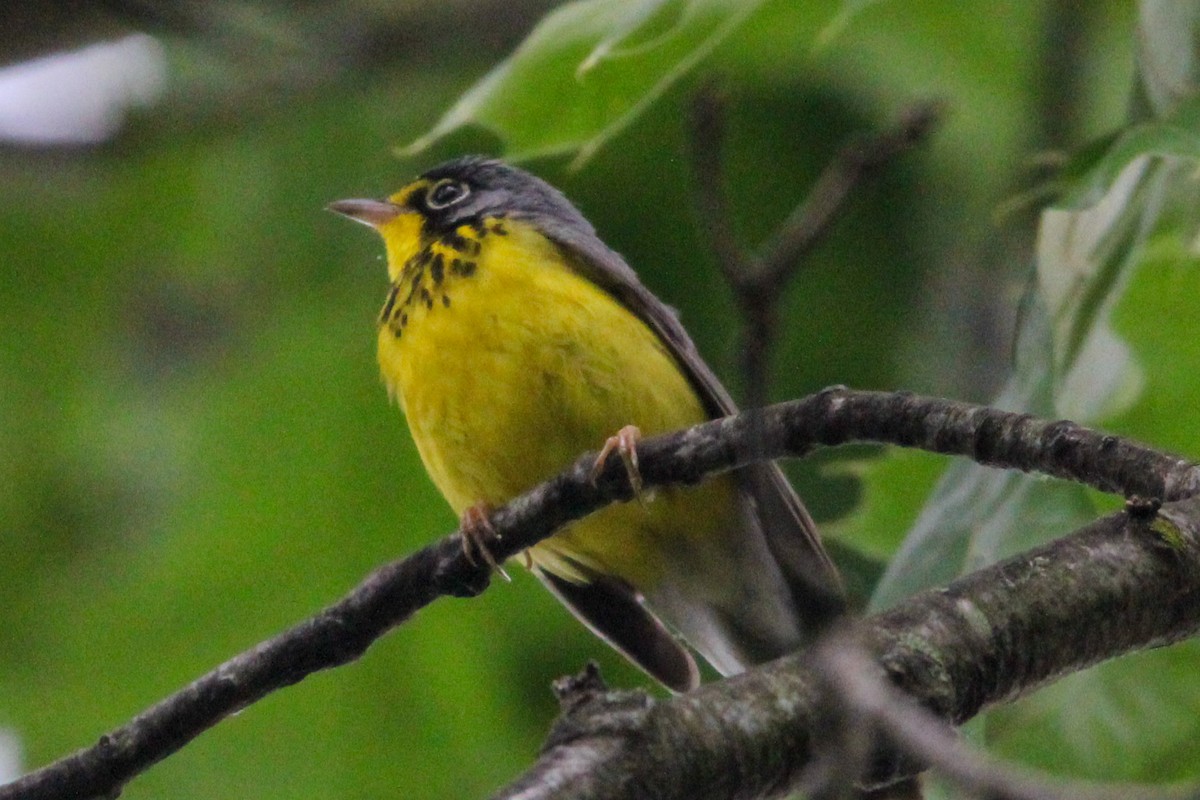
{"type": "Point", "coordinates": [588, 70]}
{"type": "Point", "coordinates": [1157, 316]}
{"type": "Point", "coordinates": [1095, 169]}
{"type": "Point", "coordinates": [849, 10]}
{"type": "Point", "coordinates": [1134, 719]}
{"type": "Point", "coordinates": [1069, 362]}
{"type": "Point", "coordinates": [1168, 62]}
{"type": "Point", "coordinates": [894, 486]}
{"type": "Point", "coordinates": [1144, 707]}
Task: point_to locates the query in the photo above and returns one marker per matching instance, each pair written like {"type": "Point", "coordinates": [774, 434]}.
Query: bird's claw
{"type": "Point", "coordinates": [477, 538]}
{"type": "Point", "coordinates": [625, 445]}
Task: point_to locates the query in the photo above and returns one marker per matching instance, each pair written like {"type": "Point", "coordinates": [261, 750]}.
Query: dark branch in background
{"type": "Point", "coordinates": [984, 639]}
{"type": "Point", "coordinates": [393, 593]}
{"type": "Point", "coordinates": [758, 284]}
{"type": "Point", "coordinates": [1062, 71]}
{"type": "Point", "coordinates": [758, 280]}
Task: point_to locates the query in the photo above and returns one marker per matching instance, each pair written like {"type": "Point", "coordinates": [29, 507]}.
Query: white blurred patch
{"type": "Point", "coordinates": [10, 756]}
{"type": "Point", "coordinates": [80, 97]}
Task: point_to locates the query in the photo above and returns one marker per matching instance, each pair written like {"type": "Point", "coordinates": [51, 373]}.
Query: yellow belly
{"type": "Point", "coordinates": [527, 367]}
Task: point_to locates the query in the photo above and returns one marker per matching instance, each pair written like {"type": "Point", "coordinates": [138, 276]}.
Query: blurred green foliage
{"type": "Point", "coordinates": [197, 451]}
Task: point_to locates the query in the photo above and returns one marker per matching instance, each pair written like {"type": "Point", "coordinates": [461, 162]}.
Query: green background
{"type": "Point", "coordinates": [195, 447]}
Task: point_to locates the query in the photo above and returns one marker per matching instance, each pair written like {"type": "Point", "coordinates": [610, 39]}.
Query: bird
{"type": "Point", "coordinates": [513, 339]}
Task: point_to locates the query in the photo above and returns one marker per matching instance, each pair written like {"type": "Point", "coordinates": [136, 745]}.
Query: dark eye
{"type": "Point", "coordinates": [445, 193]}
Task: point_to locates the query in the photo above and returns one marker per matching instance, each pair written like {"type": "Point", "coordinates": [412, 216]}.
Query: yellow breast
{"type": "Point", "coordinates": [508, 365]}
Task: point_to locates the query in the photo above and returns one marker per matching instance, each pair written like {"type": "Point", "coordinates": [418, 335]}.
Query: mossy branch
{"type": "Point", "coordinates": [1112, 587]}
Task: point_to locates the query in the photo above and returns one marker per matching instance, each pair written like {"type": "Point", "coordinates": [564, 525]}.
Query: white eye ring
{"type": "Point", "coordinates": [445, 193]}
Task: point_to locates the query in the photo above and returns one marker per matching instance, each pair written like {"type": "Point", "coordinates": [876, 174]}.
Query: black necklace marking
{"type": "Point", "coordinates": [424, 275]}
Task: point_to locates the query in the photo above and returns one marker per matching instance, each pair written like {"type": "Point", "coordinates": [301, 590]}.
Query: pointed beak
{"type": "Point", "coordinates": [369, 212]}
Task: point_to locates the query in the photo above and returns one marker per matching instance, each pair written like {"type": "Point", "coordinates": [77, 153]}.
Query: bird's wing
{"type": "Point", "coordinates": [612, 610]}
{"type": "Point", "coordinates": [790, 532]}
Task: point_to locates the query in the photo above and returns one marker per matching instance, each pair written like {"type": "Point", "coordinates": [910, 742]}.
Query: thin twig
{"type": "Point", "coordinates": [858, 160]}
{"type": "Point", "coordinates": [758, 281]}
{"type": "Point", "coordinates": [391, 594]}
{"type": "Point", "coordinates": [857, 678]}
{"type": "Point", "coordinates": [715, 216]}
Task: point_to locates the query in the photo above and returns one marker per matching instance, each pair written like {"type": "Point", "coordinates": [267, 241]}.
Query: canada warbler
{"type": "Point", "coordinates": [514, 340]}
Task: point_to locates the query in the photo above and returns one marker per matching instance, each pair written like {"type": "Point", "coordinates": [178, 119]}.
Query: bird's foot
{"type": "Point", "coordinates": [478, 536]}
{"type": "Point", "coordinates": [625, 445]}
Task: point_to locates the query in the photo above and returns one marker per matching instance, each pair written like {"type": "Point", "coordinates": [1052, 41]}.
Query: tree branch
{"type": "Point", "coordinates": [984, 639]}
{"type": "Point", "coordinates": [391, 594]}
{"type": "Point", "coordinates": [758, 281]}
